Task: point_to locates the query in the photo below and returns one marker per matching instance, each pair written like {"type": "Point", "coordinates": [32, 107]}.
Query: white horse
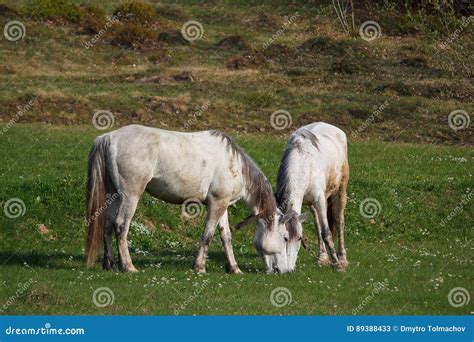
{"type": "Point", "coordinates": [175, 167]}
{"type": "Point", "coordinates": [314, 170]}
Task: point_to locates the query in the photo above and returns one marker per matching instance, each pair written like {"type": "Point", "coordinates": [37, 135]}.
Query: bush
{"type": "Point", "coordinates": [346, 66]}
{"type": "Point", "coordinates": [53, 10]}
{"type": "Point", "coordinates": [6, 11]}
{"type": "Point", "coordinates": [94, 19]}
{"type": "Point", "coordinates": [325, 46]}
{"type": "Point", "coordinates": [136, 10]}
{"type": "Point", "coordinates": [132, 35]}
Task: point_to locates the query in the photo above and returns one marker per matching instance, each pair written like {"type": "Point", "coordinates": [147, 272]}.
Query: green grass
{"type": "Point", "coordinates": [405, 245]}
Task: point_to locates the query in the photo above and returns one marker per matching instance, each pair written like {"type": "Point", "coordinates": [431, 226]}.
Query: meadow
{"type": "Point", "coordinates": [405, 260]}
{"type": "Point", "coordinates": [392, 93]}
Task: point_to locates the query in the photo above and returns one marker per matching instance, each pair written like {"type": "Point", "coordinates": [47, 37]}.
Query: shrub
{"type": "Point", "coordinates": [6, 11]}
{"type": "Point", "coordinates": [346, 66]}
{"type": "Point", "coordinates": [132, 35]}
{"type": "Point", "coordinates": [136, 10]}
{"type": "Point", "coordinates": [94, 19]}
{"type": "Point", "coordinates": [53, 10]}
{"type": "Point", "coordinates": [325, 46]}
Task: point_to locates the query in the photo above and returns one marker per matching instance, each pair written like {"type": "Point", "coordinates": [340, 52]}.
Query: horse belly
{"type": "Point", "coordinates": [177, 191]}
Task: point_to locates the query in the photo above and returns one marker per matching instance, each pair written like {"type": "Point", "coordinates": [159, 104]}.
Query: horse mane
{"type": "Point", "coordinates": [283, 182]}
{"type": "Point", "coordinates": [292, 226]}
{"type": "Point", "coordinates": [253, 177]}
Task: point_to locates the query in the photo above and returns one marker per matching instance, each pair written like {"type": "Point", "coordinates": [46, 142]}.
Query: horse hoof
{"type": "Point", "coordinates": [233, 269]}
{"type": "Point", "coordinates": [200, 269]}
{"type": "Point", "coordinates": [107, 265]}
{"type": "Point", "coordinates": [323, 260]}
{"type": "Point", "coordinates": [128, 268]}
{"type": "Point", "coordinates": [236, 271]}
{"type": "Point", "coordinates": [339, 267]}
{"type": "Point", "coordinates": [344, 262]}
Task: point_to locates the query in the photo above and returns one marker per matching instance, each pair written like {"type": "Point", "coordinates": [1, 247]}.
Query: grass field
{"type": "Point", "coordinates": [403, 261]}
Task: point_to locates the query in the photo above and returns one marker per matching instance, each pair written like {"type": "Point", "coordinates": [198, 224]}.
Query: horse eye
{"type": "Point", "coordinates": [286, 238]}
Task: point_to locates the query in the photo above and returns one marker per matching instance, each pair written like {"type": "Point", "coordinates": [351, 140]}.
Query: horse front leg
{"type": "Point", "coordinates": [214, 213]}
{"type": "Point", "coordinates": [323, 257]}
{"type": "Point", "coordinates": [226, 238]}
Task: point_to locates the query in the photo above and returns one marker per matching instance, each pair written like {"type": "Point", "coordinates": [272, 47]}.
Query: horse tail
{"type": "Point", "coordinates": [97, 179]}
{"type": "Point", "coordinates": [331, 218]}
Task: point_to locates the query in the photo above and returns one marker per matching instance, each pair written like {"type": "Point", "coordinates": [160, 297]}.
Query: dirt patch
{"type": "Point", "coordinates": [184, 76]}
{"type": "Point", "coordinates": [233, 42]}
{"type": "Point", "coordinates": [172, 37]}
{"type": "Point", "coordinates": [266, 21]}
{"type": "Point", "coordinates": [417, 62]}
{"type": "Point", "coordinates": [172, 12]}
{"type": "Point", "coordinates": [169, 105]}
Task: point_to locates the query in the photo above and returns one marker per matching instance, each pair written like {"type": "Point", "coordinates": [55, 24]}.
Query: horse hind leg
{"type": "Point", "coordinates": [111, 212]}
{"type": "Point", "coordinates": [121, 225]}
{"type": "Point", "coordinates": [339, 206]}
{"type": "Point", "coordinates": [321, 206]}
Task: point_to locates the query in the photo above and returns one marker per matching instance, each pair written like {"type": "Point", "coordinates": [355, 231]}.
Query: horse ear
{"type": "Point", "coordinates": [248, 220]}
{"type": "Point", "coordinates": [303, 217]}
{"type": "Point", "coordinates": [285, 218]}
